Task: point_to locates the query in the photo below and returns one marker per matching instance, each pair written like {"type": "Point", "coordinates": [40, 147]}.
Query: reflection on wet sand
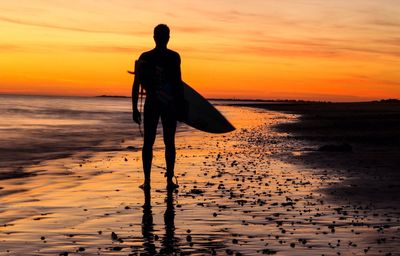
{"type": "Point", "coordinates": [169, 243]}
{"type": "Point", "coordinates": [148, 225]}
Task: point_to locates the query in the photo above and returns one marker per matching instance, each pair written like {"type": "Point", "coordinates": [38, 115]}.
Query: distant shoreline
{"type": "Point", "coordinates": [111, 96]}
{"type": "Point", "coordinates": [274, 101]}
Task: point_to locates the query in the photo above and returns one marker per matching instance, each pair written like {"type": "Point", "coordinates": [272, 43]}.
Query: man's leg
{"type": "Point", "coordinates": [169, 128]}
{"type": "Point", "coordinates": [150, 121]}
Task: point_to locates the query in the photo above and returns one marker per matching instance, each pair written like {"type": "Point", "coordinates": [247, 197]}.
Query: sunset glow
{"type": "Point", "coordinates": [320, 50]}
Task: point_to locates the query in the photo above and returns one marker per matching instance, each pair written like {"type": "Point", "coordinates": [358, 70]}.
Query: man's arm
{"type": "Point", "coordinates": [135, 96]}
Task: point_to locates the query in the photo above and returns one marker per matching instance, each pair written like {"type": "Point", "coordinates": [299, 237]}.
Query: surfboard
{"type": "Point", "coordinates": [201, 114]}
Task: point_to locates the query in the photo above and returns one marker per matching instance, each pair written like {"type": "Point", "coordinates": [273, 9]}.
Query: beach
{"type": "Point", "coordinates": [258, 190]}
{"type": "Point", "coordinates": [359, 141]}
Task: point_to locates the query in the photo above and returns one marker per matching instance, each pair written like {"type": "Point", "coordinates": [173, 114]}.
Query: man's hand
{"type": "Point", "coordinates": [136, 116]}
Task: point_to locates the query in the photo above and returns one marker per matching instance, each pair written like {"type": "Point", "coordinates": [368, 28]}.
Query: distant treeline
{"type": "Point", "coordinates": [266, 101]}
{"type": "Point", "coordinates": [112, 96]}
{"type": "Point", "coordinates": [388, 101]}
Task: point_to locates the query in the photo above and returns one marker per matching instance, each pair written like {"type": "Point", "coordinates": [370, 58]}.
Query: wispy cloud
{"type": "Point", "coordinates": [87, 48]}
{"type": "Point", "coordinates": [10, 48]}
{"type": "Point", "coordinates": [69, 28]}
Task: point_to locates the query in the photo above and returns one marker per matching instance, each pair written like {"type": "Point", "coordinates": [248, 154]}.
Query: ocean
{"type": "Point", "coordinates": [37, 128]}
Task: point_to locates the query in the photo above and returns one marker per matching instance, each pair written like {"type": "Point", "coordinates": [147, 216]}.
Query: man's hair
{"type": "Point", "coordinates": [161, 30]}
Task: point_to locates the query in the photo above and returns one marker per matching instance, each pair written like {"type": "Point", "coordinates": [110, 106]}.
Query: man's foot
{"type": "Point", "coordinates": [145, 186]}
{"type": "Point", "coordinates": [171, 185]}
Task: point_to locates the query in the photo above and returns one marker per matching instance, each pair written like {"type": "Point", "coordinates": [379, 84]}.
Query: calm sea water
{"type": "Point", "coordinates": [35, 128]}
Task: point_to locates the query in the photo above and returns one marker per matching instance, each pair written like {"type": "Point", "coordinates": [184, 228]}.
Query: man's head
{"type": "Point", "coordinates": [161, 35]}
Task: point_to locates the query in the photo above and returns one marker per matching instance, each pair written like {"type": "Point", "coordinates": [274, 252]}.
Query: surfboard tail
{"type": "Point", "coordinates": [202, 115]}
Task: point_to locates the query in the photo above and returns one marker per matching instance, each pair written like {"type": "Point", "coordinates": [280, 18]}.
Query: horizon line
{"type": "Point", "coordinates": [211, 98]}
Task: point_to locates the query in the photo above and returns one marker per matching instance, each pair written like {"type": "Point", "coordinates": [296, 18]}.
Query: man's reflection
{"type": "Point", "coordinates": [147, 224]}
{"type": "Point", "coordinates": [169, 243]}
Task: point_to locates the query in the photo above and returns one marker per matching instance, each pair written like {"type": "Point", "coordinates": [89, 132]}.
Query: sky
{"type": "Point", "coordinates": [337, 50]}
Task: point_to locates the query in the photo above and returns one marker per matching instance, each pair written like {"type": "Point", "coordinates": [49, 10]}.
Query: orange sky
{"type": "Point", "coordinates": [299, 49]}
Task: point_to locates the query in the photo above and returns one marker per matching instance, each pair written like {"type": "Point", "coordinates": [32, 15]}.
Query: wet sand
{"type": "Point", "coordinates": [238, 196]}
{"type": "Point", "coordinates": [359, 141]}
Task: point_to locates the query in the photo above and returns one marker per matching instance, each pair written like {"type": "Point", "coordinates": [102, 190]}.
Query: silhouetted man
{"type": "Point", "coordinates": [158, 72]}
